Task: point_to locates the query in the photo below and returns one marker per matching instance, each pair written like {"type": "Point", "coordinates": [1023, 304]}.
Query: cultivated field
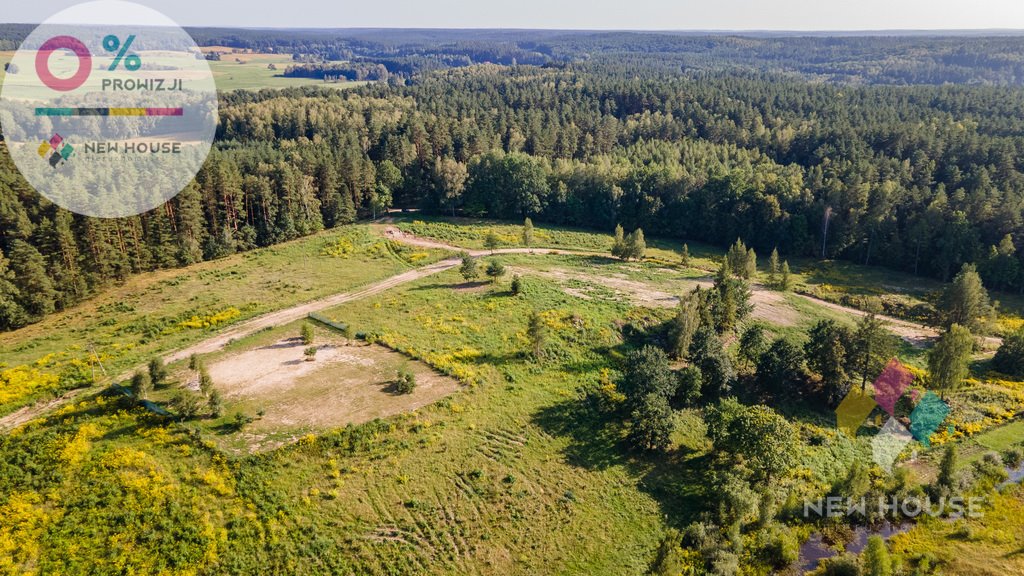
{"type": "Point", "coordinates": [251, 71]}
{"type": "Point", "coordinates": [246, 71]}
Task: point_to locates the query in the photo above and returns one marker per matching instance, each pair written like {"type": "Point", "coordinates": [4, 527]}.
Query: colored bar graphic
{"type": "Point", "coordinates": [110, 111]}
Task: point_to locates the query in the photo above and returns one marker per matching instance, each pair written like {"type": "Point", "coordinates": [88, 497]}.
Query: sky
{"type": "Point", "coordinates": [797, 15]}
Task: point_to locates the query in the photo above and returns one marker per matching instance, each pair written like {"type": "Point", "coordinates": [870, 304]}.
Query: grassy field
{"type": "Point", "coordinates": [489, 481]}
{"type": "Point", "coordinates": [251, 71]}
{"type": "Point", "coordinates": [5, 57]}
{"type": "Point", "coordinates": [166, 310]}
{"type": "Point", "coordinates": [509, 474]}
{"type": "Point", "coordinates": [987, 546]}
{"type": "Point", "coordinates": [865, 287]}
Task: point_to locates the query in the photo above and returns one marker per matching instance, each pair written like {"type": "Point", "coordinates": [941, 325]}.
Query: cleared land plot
{"type": "Point", "coordinates": [166, 310]}
{"type": "Point", "coordinates": [836, 281]}
{"type": "Point", "coordinates": [768, 306]}
{"type": "Point", "coordinates": [345, 384]}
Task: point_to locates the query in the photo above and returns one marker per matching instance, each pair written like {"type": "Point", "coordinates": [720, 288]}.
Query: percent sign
{"type": "Point", "coordinates": [113, 44]}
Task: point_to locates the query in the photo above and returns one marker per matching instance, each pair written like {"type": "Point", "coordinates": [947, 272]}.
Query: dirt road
{"type": "Point", "coordinates": [916, 334]}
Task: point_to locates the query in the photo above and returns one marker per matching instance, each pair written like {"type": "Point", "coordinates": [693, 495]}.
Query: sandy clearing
{"type": "Point", "coordinates": [768, 306]}
{"type": "Point", "coordinates": [914, 333]}
{"type": "Point", "coordinates": [346, 384]}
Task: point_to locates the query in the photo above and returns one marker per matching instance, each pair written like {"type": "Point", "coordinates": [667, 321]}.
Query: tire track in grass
{"type": "Point", "coordinates": [393, 531]}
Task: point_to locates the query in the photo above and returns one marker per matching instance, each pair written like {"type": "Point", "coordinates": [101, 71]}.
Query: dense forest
{"type": "Point", "coordinates": [913, 58]}
{"type": "Point", "coordinates": [917, 178]}
{"type": "Point", "coordinates": [886, 59]}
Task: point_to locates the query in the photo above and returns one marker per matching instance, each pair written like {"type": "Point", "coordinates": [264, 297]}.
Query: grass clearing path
{"type": "Point", "coordinates": [914, 333]}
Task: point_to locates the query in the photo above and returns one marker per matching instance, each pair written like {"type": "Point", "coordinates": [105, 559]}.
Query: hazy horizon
{"type": "Point", "coordinates": [725, 16]}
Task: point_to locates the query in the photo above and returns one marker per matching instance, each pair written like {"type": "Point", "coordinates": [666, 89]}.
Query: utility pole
{"type": "Point", "coordinates": [94, 354]}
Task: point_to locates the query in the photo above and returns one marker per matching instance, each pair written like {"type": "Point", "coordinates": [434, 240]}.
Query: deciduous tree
{"type": "Point", "coordinates": [966, 302]}
{"type": "Point", "coordinates": [948, 359]}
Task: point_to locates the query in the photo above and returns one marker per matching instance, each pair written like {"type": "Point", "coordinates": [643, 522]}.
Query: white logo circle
{"type": "Point", "coordinates": [109, 109]}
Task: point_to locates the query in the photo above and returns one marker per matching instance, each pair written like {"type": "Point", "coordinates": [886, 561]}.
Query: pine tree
{"type": "Point", "coordinates": [12, 315]}
{"type": "Point", "coordinates": [685, 256]}
{"type": "Point", "coordinates": [737, 258]}
{"type": "Point", "coordinates": [469, 268]}
{"type": "Point", "coordinates": [636, 246]}
{"type": "Point", "coordinates": [780, 367]}
{"type": "Point", "coordinates": [69, 280]}
{"type": "Point", "coordinates": [157, 371]}
{"type": "Point", "coordinates": [36, 293]}
{"type": "Point", "coordinates": [750, 267]}
{"type": "Point", "coordinates": [753, 343]}
{"type": "Point", "coordinates": [708, 354]}
{"type": "Point", "coordinates": [619, 243]}
{"type": "Point", "coordinates": [492, 241]}
{"type": "Point", "coordinates": [205, 381]}
{"type": "Point", "coordinates": [948, 480]}
{"type": "Point", "coordinates": [495, 270]}
{"type": "Point", "coordinates": [872, 348]}
{"type": "Point", "coordinates": [826, 352]}
{"type": "Point", "coordinates": [528, 233]}
{"type": "Point", "coordinates": [773, 269]}
{"type": "Point", "coordinates": [537, 332]}
{"type": "Point", "coordinates": [216, 403]}
{"type": "Point", "coordinates": [191, 226]}
{"type": "Point", "coordinates": [786, 280]}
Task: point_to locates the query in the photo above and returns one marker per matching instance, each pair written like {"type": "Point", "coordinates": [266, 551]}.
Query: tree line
{"type": "Point", "coordinates": [921, 179]}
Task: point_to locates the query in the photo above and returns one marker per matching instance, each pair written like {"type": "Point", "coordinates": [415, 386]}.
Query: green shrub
{"type": "Point", "coordinates": [187, 404]}
{"type": "Point", "coordinates": [1013, 457]}
{"type": "Point", "coordinates": [1010, 357]}
{"type": "Point", "coordinates": [842, 566]}
{"type": "Point", "coordinates": [406, 382]}
{"type": "Point", "coordinates": [157, 371]}
{"type": "Point", "coordinates": [781, 547]}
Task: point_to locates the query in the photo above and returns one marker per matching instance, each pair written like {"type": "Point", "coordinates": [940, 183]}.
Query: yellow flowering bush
{"type": "Point", "coordinates": [216, 481]}
{"type": "Point", "coordinates": [211, 320]}
{"type": "Point", "coordinates": [340, 248]}
{"type": "Point", "coordinates": [25, 518]}
{"type": "Point", "coordinates": [22, 381]}
{"type": "Point", "coordinates": [76, 449]}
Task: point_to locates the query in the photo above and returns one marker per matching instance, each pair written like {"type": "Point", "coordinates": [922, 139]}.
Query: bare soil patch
{"type": "Point", "coordinates": [768, 306]}
{"type": "Point", "coordinates": [346, 384]}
